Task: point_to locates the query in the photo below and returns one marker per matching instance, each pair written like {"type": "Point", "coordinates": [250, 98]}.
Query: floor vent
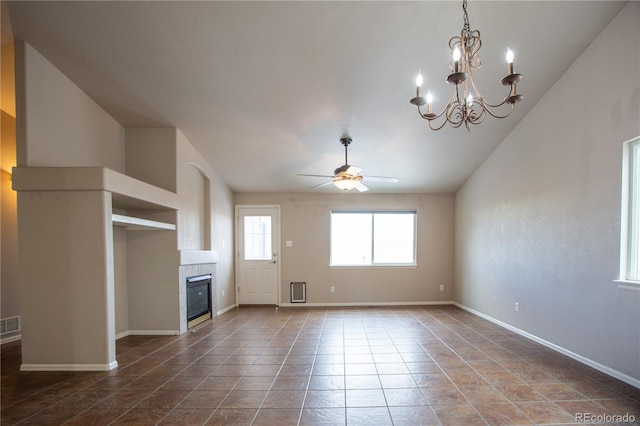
{"type": "Point", "coordinates": [9, 325]}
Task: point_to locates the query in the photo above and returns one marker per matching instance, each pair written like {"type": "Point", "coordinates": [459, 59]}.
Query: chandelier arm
{"type": "Point", "coordinates": [455, 108]}
{"type": "Point", "coordinates": [473, 84]}
{"type": "Point", "coordinates": [487, 105]}
{"type": "Point", "coordinates": [439, 127]}
{"type": "Point", "coordinates": [432, 117]}
{"type": "Point", "coordinates": [504, 101]}
{"type": "Point", "coordinates": [500, 116]}
{"type": "Point", "coordinates": [480, 117]}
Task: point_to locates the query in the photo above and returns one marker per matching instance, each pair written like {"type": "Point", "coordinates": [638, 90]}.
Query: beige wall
{"type": "Point", "coordinates": [539, 221]}
{"type": "Point", "coordinates": [65, 239]}
{"type": "Point", "coordinates": [150, 156]}
{"type": "Point", "coordinates": [67, 294]}
{"type": "Point", "coordinates": [69, 251]}
{"type": "Point", "coordinates": [121, 296]}
{"type": "Point", "coordinates": [305, 221]}
{"type": "Point", "coordinates": [206, 216]}
{"type": "Point", "coordinates": [53, 102]}
{"type": "Point", "coordinates": [152, 278]}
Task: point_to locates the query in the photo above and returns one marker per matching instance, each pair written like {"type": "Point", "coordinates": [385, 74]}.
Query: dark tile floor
{"type": "Point", "coordinates": [370, 366]}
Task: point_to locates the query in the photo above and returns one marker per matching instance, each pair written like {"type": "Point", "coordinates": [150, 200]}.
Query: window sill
{"type": "Point", "coordinates": [407, 265]}
{"type": "Point", "coordinates": [628, 285]}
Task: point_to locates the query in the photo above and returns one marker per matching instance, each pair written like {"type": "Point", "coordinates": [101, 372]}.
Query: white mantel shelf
{"type": "Point", "coordinates": [195, 257]}
{"type": "Point", "coordinates": [127, 192]}
{"type": "Point", "coordinates": [138, 224]}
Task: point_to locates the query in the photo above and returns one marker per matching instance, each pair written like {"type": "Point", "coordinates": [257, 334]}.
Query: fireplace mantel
{"type": "Point", "coordinates": [196, 257]}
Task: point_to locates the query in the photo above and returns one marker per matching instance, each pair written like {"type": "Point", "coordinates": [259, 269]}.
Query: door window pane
{"type": "Point", "coordinates": [257, 238]}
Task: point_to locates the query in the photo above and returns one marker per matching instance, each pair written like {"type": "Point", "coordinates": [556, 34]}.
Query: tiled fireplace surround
{"type": "Point", "coordinates": [186, 271]}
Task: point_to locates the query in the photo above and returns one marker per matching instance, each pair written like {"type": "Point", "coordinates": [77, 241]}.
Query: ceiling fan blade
{"type": "Point", "coordinates": [324, 176]}
{"type": "Point", "coordinates": [381, 179]}
{"type": "Point", "coordinates": [322, 184]}
{"type": "Point", "coordinates": [353, 170]}
{"type": "Point", "coordinates": [360, 187]}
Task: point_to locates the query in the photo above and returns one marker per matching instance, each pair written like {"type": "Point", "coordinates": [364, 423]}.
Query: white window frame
{"type": "Point", "coordinates": [629, 278]}
{"type": "Point", "coordinates": [412, 264]}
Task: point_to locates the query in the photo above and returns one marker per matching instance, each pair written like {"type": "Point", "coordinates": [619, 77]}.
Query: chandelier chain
{"type": "Point", "coordinates": [466, 28]}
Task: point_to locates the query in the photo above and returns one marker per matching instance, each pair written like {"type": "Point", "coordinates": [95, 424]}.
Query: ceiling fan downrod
{"type": "Point", "coordinates": [346, 142]}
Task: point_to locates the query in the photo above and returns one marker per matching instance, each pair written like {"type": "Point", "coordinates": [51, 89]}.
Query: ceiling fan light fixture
{"type": "Point", "coordinates": [346, 183]}
{"type": "Point", "coordinates": [347, 177]}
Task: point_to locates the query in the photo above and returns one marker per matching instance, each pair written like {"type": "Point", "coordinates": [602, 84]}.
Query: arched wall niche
{"type": "Point", "coordinates": [195, 195]}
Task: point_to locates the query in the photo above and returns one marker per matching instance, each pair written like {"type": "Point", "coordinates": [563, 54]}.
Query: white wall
{"type": "Point", "coordinates": [305, 221]}
{"type": "Point", "coordinates": [539, 221]}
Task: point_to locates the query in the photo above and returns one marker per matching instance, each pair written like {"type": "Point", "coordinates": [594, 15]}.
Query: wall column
{"type": "Point", "coordinates": [67, 283]}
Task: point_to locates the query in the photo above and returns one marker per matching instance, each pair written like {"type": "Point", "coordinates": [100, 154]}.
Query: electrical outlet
{"type": "Point", "coordinates": [222, 293]}
{"type": "Point", "coordinates": [333, 289]}
{"type": "Point", "coordinates": [517, 307]}
{"type": "Point", "coordinates": [441, 288]}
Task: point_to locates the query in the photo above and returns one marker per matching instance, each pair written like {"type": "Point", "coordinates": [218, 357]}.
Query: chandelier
{"type": "Point", "coordinates": [466, 105]}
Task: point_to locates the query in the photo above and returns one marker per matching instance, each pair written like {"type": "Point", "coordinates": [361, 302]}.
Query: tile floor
{"type": "Point", "coordinates": [370, 366]}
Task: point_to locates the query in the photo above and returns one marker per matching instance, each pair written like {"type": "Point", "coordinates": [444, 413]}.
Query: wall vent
{"type": "Point", "coordinates": [298, 292]}
{"type": "Point", "coordinates": [9, 325]}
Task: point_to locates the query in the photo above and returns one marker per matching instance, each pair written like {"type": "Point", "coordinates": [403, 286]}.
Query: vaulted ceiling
{"type": "Point", "coordinates": [265, 90]}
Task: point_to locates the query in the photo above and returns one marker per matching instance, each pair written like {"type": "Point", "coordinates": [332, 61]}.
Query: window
{"type": "Point", "coordinates": [257, 238]}
{"type": "Point", "coordinates": [373, 238]}
{"type": "Point", "coordinates": [630, 250]}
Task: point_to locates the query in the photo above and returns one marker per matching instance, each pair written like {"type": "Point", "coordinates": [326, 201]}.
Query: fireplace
{"type": "Point", "coordinates": [198, 299]}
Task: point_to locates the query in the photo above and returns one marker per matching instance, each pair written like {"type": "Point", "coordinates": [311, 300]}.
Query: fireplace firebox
{"type": "Point", "coordinates": [198, 299]}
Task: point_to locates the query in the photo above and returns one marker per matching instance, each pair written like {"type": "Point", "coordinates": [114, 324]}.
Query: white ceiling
{"type": "Point", "coordinates": [264, 90]}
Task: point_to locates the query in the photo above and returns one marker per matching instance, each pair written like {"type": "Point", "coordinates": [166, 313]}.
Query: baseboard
{"type": "Point", "coordinates": [121, 335]}
{"type": "Point", "coordinates": [146, 333]}
{"type": "Point", "coordinates": [69, 367]}
{"type": "Point", "coordinates": [11, 339]}
{"type": "Point", "coordinates": [362, 304]}
{"type": "Point", "coordinates": [227, 309]}
{"type": "Point", "coordinates": [593, 364]}
{"type": "Point", "coordinates": [153, 333]}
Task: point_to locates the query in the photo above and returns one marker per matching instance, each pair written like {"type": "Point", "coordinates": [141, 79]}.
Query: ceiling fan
{"type": "Point", "coordinates": [347, 177]}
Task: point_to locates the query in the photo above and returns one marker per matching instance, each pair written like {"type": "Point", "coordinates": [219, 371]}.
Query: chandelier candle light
{"type": "Point", "coordinates": [466, 104]}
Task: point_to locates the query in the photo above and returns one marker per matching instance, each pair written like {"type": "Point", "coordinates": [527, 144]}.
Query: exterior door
{"type": "Point", "coordinates": [258, 265]}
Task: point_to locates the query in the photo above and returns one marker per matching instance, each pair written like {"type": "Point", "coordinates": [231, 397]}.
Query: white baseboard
{"type": "Point", "coordinates": [147, 333]}
{"type": "Point", "coordinates": [11, 339]}
{"type": "Point", "coordinates": [121, 335]}
{"type": "Point", "coordinates": [362, 304]}
{"type": "Point", "coordinates": [593, 364]}
{"type": "Point", "coordinates": [69, 367]}
{"type": "Point", "coordinates": [153, 332]}
{"type": "Point", "coordinates": [228, 308]}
